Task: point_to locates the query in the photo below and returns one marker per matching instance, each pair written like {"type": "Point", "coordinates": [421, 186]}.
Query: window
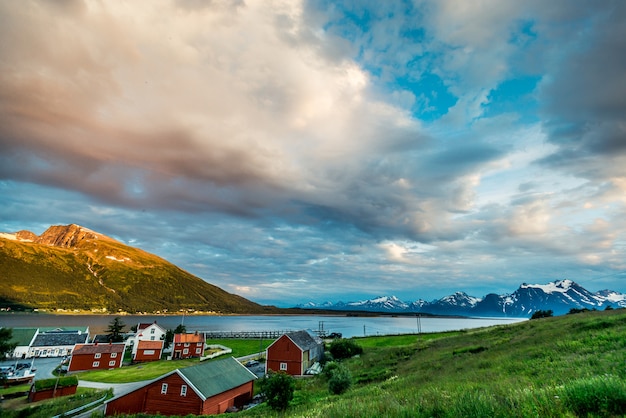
{"type": "Point", "coordinates": [199, 344]}
{"type": "Point", "coordinates": [152, 338]}
{"type": "Point", "coordinates": [283, 366]}
{"type": "Point", "coordinates": [183, 390]}
{"type": "Point", "coordinates": [198, 350]}
{"type": "Point", "coordinates": [186, 351]}
{"type": "Point", "coordinates": [113, 355]}
{"type": "Point", "coordinates": [98, 355]}
{"type": "Point", "coordinates": [95, 364]}
{"type": "Point", "coordinates": [186, 344]}
{"type": "Point", "coordinates": [164, 389]}
{"type": "Point", "coordinates": [112, 363]}
{"type": "Point", "coordinates": [148, 352]}
{"type": "Point", "coordinates": [152, 331]}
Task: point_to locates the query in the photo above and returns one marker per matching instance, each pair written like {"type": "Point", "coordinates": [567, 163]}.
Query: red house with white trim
{"type": "Point", "coordinates": [96, 356]}
{"type": "Point", "coordinates": [188, 345]}
{"type": "Point", "coordinates": [294, 352]}
{"type": "Point", "coordinates": [205, 389]}
{"type": "Point", "coordinates": [148, 351]}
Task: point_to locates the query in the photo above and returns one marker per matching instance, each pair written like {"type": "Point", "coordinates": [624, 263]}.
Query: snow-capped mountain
{"type": "Point", "coordinates": [560, 297]}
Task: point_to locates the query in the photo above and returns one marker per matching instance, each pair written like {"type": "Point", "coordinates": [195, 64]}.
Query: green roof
{"type": "Point", "coordinates": [214, 377]}
{"type": "Point", "coordinates": [23, 336]}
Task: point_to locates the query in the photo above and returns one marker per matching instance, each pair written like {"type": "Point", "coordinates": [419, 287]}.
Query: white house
{"type": "Point", "coordinates": [147, 332]}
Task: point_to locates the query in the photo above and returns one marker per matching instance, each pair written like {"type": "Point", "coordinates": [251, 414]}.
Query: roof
{"type": "Point", "coordinates": [60, 338]}
{"type": "Point", "coordinates": [150, 345]}
{"type": "Point", "coordinates": [214, 377]}
{"type": "Point", "coordinates": [23, 336]}
{"type": "Point", "coordinates": [304, 339]}
{"type": "Point", "coordinates": [188, 338]}
{"type": "Point", "coordinates": [143, 325]}
{"type": "Point", "coordinates": [98, 348]}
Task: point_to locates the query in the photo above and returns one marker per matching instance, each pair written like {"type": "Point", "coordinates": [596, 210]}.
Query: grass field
{"type": "Point", "coordinates": [151, 370]}
{"type": "Point", "coordinates": [568, 366]}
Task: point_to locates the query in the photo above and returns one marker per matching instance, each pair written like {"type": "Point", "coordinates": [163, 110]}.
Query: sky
{"type": "Point", "coordinates": [293, 151]}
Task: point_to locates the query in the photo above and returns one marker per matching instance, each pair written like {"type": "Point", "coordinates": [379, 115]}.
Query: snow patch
{"type": "Point", "coordinates": [121, 260]}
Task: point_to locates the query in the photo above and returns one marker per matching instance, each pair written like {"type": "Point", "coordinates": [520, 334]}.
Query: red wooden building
{"type": "Point", "coordinates": [294, 352]}
{"type": "Point", "coordinates": [96, 356]}
{"type": "Point", "coordinates": [188, 345]}
{"type": "Point", "coordinates": [148, 351]}
{"type": "Point", "coordinates": [205, 389]}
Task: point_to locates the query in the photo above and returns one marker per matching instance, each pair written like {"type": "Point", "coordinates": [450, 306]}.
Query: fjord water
{"type": "Point", "coordinates": [348, 326]}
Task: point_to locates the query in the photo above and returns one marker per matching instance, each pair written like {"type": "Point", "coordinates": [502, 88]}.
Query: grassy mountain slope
{"type": "Point", "coordinates": [85, 270]}
{"type": "Point", "coordinates": [567, 366]}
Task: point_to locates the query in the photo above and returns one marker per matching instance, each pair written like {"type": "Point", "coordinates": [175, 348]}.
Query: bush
{"type": "Point", "coordinates": [343, 348]}
{"type": "Point", "coordinates": [542, 314]}
{"type": "Point", "coordinates": [278, 388]}
{"type": "Point", "coordinates": [340, 380]}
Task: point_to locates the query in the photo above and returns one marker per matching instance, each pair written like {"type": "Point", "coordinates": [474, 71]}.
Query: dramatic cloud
{"type": "Point", "coordinates": [288, 150]}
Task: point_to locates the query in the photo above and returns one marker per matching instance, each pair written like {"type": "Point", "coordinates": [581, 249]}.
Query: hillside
{"type": "Point", "coordinates": [72, 267]}
{"type": "Point", "coordinates": [566, 366]}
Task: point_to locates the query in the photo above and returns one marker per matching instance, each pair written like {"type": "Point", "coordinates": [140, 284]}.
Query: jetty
{"type": "Point", "coordinates": [250, 335]}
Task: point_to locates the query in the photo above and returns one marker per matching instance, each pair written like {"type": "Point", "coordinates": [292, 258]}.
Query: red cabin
{"type": "Point", "coordinates": [205, 389]}
{"type": "Point", "coordinates": [188, 345]}
{"type": "Point", "coordinates": [96, 356]}
{"type": "Point", "coordinates": [294, 352]}
{"type": "Point", "coordinates": [148, 351]}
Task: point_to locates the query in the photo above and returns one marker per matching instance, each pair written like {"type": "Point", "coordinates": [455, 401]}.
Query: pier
{"type": "Point", "coordinates": [250, 335]}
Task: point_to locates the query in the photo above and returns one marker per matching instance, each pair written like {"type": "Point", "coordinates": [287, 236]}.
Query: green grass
{"type": "Point", "coordinates": [136, 372]}
{"type": "Point", "coordinates": [568, 366]}
{"type": "Point", "coordinates": [151, 370]}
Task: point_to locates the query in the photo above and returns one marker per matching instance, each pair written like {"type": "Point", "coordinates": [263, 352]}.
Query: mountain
{"type": "Point", "coordinates": [72, 267]}
{"type": "Point", "coordinates": [560, 296]}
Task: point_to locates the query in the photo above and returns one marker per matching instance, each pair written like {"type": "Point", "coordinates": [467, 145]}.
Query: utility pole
{"type": "Point", "coordinates": [419, 323]}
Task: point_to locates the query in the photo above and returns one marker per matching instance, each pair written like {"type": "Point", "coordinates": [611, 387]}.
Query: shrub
{"type": "Point", "coordinates": [542, 314]}
{"type": "Point", "coordinates": [278, 388]}
{"type": "Point", "coordinates": [340, 380]}
{"type": "Point", "coordinates": [343, 348]}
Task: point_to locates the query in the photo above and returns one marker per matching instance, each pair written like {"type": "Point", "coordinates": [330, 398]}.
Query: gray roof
{"type": "Point", "coordinates": [60, 338]}
{"type": "Point", "coordinates": [305, 339]}
{"type": "Point", "coordinates": [214, 377]}
{"type": "Point", "coordinates": [98, 348]}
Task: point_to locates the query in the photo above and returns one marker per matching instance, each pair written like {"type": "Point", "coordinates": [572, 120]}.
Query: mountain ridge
{"type": "Point", "coordinates": [559, 296]}
{"type": "Point", "coordinates": [74, 267]}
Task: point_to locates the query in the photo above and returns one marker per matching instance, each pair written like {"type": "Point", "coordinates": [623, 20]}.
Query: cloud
{"type": "Point", "coordinates": [365, 145]}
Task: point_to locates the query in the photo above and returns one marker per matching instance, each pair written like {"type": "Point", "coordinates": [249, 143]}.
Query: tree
{"type": "Point", "coordinates": [278, 390]}
{"type": "Point", "coordinates": [180, 329]}
{"type": "Point", "coordinates": [115, 330]}
{"type": "Point", "coordinates": [542, 314]}
{"type": "Point", "coordinates": [169, 338]}
{"type": "Point", "coordinates": [6, 347]}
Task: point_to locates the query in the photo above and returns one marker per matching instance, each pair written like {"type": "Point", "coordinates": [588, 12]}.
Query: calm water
{"type": "Point", "coordinates": [348, 326]}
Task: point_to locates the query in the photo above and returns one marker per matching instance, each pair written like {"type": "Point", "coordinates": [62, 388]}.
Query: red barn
{"type": "Point", "coordinates": [188, 345]}
{"type": "Point", "coordinates": [294, 352]}
{"type": "Point", "coordinates": [96, 356]}
{"type": "Point", "coordinates": [148, 350]}
{"type": "Point", "coordinates": [205, 389]}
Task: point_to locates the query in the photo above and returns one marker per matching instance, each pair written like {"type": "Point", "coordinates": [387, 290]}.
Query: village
{"type": "Point", "coordinates": [216, 382]}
